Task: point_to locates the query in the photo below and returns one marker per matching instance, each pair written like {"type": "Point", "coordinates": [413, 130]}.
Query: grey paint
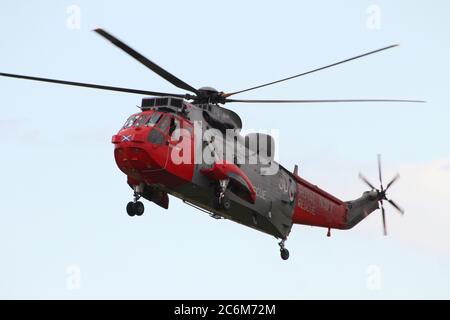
{"type": "Point", "coordinates": [273, 209]}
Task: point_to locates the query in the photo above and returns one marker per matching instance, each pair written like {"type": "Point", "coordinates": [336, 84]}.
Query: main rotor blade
{"type": "Point", "coordinates": [366, 181]}
{"type": "Point", "coordinates": [379, 172]}
{"type": "Point", "coordinates": [396, 206]}
{"type": "Point", "coordinates": [312, 71]}
{"type": "Point", "coordinates": [149, 64]}
{"type": "Point", "coordinates": [91, 85]}
{"type": "Point", "coordinates": [321, 101]}
{"type": "Point", "coordinates": [397, 176]}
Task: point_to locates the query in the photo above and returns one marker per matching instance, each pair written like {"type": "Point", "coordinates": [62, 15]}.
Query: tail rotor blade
{"type": "Point", "coordinates": [384, 219]}
{"type": "Point", "coordinates": [397, 176]}
{"type": "Point", "coordinates": [381, 194]}
{"type": "Point", "coordinates": [379, 172]}
{"type": "Point", "coordinates": [396, 206]}
{"type": "Point", "coordinates": [364, 179]}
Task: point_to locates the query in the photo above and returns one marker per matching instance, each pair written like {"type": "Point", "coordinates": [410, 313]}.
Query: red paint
{"type": "Point", "coordinates": [152, 163]}
{"type": "Point", "coordinates": [316, 207]}
{"type": "Point", "coordinates": [143, 161]}
{"type": "Point", "coordinates": [225, 170]}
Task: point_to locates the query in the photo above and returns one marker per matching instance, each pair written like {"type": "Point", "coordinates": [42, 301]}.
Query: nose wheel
{"type": "Point", "coordinates": [284, 253]}
{"type": "Point", "coordinates": [135, 208]}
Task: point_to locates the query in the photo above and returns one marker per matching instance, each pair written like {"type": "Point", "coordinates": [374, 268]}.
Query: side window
{"type": "Point", "coordinates": [155, 136]}
{"type": "Point", "coordinates": [163, 124]}
{"type": "Point", "coordinates": [154, 118]}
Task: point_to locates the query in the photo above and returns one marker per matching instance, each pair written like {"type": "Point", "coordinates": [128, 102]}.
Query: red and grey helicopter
{"type": "Point", "coordinates": [190, 147]}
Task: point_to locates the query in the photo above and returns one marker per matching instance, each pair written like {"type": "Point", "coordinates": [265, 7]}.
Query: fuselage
{"type": "Point", "coordinates": [177, 148]}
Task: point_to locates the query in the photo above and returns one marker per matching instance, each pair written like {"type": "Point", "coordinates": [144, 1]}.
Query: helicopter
{"type": "Point", "coordinates": [190, 146]}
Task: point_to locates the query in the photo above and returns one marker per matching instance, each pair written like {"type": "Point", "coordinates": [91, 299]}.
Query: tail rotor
{"type": "Point", "coordinates": [381, 193]}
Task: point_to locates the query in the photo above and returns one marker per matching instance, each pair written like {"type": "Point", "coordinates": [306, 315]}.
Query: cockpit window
{"type": "Point", "coordinates": [141, 120]}
{"type": "Point", "coordinates": [130, 121]}
{"type": "Point", "coordinates": [154, 118]}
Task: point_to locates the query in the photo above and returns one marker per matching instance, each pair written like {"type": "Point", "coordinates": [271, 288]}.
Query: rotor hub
{"type": "Point", "coordinates": [209, 95]}
{"type": "Point", "coordinates": [208, 90]}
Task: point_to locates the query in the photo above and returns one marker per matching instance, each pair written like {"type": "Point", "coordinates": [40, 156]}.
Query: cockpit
{"type": "Point", "coordinates": [157, 126]}
{"type": "Point", "coordinates": [142, 119]}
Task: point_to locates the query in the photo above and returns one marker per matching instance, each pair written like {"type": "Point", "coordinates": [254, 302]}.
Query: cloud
{"type": "Point", "coordinates": [424, 190]}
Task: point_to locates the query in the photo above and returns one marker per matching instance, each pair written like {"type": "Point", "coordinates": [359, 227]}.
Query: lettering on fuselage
{"type": "Point", "coordinates": [313, 202]}
{"type": "Point", "coordinates": [284, 184]}
{"type": "Point", "coordinates": [260, 193]}
{"type": "Point", "coordinates": [325, 205]}
{"type": "Point", "coordinates": [306, 200]}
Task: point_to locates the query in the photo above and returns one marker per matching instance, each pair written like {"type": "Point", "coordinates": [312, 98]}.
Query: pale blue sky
{"type": "Point", "coordinates": [63, 198]}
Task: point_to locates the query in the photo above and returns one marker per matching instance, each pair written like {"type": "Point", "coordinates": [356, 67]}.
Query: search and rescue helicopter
{"type": "Point", "coordinates": [190, 147]}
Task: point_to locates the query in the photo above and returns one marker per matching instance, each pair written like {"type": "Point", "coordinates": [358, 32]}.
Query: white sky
{"type": "Point", "coordinates": [63, 198]}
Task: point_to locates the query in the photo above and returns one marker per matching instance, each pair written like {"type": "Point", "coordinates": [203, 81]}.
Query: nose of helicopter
{"type": "Point", "coordinates": [132, 155]}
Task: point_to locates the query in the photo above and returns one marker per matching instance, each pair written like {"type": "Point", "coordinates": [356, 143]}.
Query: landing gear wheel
{"type": "Point", "coordinates": [284, 253]}
{"type": "Point", "coordinates": [135, 208]}
{"type": "Point", "coordinates": [139, 208]}
{"type": "Point", "coordinates": [130, 209]}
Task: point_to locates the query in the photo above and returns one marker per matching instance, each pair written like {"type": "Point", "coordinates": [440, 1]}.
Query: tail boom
{"type": "Point", "coordinates": [316, 207]}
